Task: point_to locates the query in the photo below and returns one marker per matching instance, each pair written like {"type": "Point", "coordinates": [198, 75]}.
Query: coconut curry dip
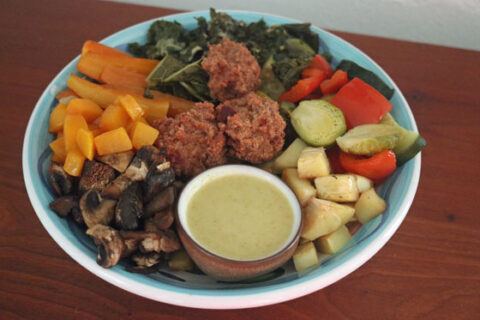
{"type": "Point", "coordinates": [240, 217]}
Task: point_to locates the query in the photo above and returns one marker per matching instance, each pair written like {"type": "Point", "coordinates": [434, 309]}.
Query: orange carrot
{"type": "Point", "coordinates": [92, 46]}
{"type": "Point", "coordinates": [121, 76]}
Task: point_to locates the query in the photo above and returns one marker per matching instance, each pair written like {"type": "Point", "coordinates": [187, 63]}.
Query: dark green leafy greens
{"type": "Point", "coordinates": [282, 51]}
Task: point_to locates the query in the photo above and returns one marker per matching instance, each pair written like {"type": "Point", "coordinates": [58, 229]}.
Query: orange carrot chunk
{"type": "Point", "coordinates": [113, 117]}
{"type": "Point", "coordinates": [74, 163]}
{"type": "Point", "coordinates": [143, 135]}
{"type": "Point", "coordinates": [59, 151]}
{"type": "Point", "coordinates": [87, 108]}
{"type": "Point", "coordinates": [57, 118]}
{"type": "Point", "coordinates": [85, 143]}
{"type": "Point", "coordinates": [131, 106]}
{"type": "Point", "coordinates": [73, 122]}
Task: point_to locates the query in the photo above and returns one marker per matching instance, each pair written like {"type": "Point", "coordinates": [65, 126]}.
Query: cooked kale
{"type": "Point", "coordinates": [282, 51]}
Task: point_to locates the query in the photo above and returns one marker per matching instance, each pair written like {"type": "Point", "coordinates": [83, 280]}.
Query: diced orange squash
{"type": "Point", "coordinates": [85, 143]}
{"type": "Point", "coordinates": [92, 64]}
{"type": "Point", "coordinates": [86, 107]}
{"type": "Point", "coordinates": [113, 117]}
{"type": "Point", "coordinates": [131, 106]}
{"type": "Point", "coordinates": [104, 96]}
{"type": "Point", "coordinates": [65, 94]}
{"type": "Point", "coordinates": [177, 105]}
{"type": "Point", "coordinates": [59, 151]}
{"type": "Point", "coordinates": [121, 76]}
{"type": "Point", "coordinates": [60, 134]}
{"type": "Point", "coordinates": [57, 118]}
{"type": "Point", "coordinates": [74, 163]}
{"type": "Point", "coordinates": [112, 142]}
{"type": "Point", "coordinates": [131, 125]}
{"type": "Point", "coordinates": [143, 135]}
{"type": "Point", "coordinates": [92, 46]}
{"type": "Point", "coordinates": [156, 111]}
{"type": "Point", "coordinates": [73, 122]}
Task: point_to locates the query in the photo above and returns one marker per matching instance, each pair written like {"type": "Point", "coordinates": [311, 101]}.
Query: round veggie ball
{"type": "Point", "coordinates": [254, 127]}
{"type": "Point", "coordinates": [192, 140]}
{"type": "Point", "coordinates": [233, 70]}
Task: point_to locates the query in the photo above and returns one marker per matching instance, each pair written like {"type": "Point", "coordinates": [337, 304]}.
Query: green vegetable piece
{"type": "Point", "coordinates": [318, 122]}
{"type": "Point", "coordinates": [302, 31]}
{"type": "Point", "coordinates": [166, 67]}
{"type": "Point", "coordinates": [270, 85]}
{"type": "Point", "coordinates": [355, 71]}
{"type": "Point", "coordinates": [286, 108]}
{"type": "Point", "coordinates": [369, 139]}
{"type": "Point", "coordinates": [409, 142]}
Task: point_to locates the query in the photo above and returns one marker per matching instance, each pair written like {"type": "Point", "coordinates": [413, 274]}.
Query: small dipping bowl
{"type": "Point", "coordinates": [228, 269]}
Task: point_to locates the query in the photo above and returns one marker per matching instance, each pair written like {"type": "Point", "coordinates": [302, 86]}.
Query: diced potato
{"type": "Point", "coordinates": [131, 106]}
{"type": "Point", "coordinates": [143, 135]}
{"type": "Point", "coordinates": [337, 187]}
{"type": "Point", "coordinates": [369, 205]}
{"type": "Point", "coordinates": [57, 118]}
{"type": "Point", "coordinates": [305, 256]}
{"type": "Point", "coordinates": [113, 117]}
{"type": "Point", "coordinates": [363, 184]}
{"type": "Point", "coordinates": [302, 188]}
{"type": "Point", "coordinates": [73, 122]}
{"type": "Point", "coordinates": [319, 218]}
{"type": "Point", "coordinates": [335, 241]}
{"type": "Point", "coordinates": [59, 151]}
{"type": "Point", "coordinates": [344, 211]}
{"type": "Point", "coordinates": [180, 261]}
{"type": "Point", "coordinates": [87, 108]}
{"type": "Point", "coordinates": [313, 163]}
{"type": "Point", "coordinates": [85, 143]}
{"type": "Point", "coordinates": [289, 157]}
{"type": "Point", "coordinates": [74, 163]}
{"type": "Point", "coordinates": [113, 141]}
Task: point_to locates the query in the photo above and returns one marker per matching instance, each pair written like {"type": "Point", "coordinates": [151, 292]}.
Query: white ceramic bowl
{"type": "Point", "coordinates": [198, 290]}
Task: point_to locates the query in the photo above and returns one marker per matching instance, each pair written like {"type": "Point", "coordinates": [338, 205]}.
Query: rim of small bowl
{"type": "Point", "coordinates": [252, 171]}
{"type": "Point", "coordinates": [224, 298]}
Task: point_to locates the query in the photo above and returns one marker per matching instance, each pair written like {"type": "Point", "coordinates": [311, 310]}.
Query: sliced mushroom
{"type": "Point", "coordinates": [96, 210]}
{"type": "Point", "coordinates": [109, 243]}
{"type": "Point", "coordinates": [115, 188]}
{"type": "Point", "coordinates": [151, 155]}
{"type": "Point", "coordinates": [61, 182]}
{"type": "Point", "coordinates": [166, 241]}
{"type": "Point", "coordinates": [77, 215]}
{"type": "Point", "coordinates": [95, 175]}
{"type": "Point", "coordinates": [159, 177]}
{"type": "Point", "coordinates": [137, 170]}
{"type": "Point", "coordinates": [146, 263]}
{"type": "Point", "coordinates": [132, 239]}
{"type": "Point", "coordinates": [118, 161]}
{"type": "Point", "coordinates": [63, 205]}
{"type": "Point", "coordinates": [160, 201]}
{"type": "Point", "coordinates": [129, 208]}
{"type": "Point", "coordinates": [162, 220]}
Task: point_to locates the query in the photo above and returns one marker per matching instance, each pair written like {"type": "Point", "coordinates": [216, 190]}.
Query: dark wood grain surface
{"type": "Point", "coordinates": [430, 269]}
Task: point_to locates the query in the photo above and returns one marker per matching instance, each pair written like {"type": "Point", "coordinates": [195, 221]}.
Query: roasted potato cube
{"type": "Point", "coordinates": [335, 241]}
{"type": "Point", "coordinates": [320, 218]}
{"type": "Point", "coordinates": [302, 188]}
{"type": "Point", "coordinates": [337, 187]}
{"type": "Point", "coordinates": [305, 256]}
{"type": "Point", "coordinates": [289, 157]}
{"type": "Point", "coordinates": [313, 163]}
{"type": "Point", "coordinates": [369, 205]}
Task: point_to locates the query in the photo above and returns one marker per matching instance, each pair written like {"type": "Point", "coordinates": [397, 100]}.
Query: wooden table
{"type": "Point", "coordinates": [430, 269]}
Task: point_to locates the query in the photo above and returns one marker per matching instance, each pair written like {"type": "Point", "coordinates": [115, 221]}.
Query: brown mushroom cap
{"type": "Point", "coordinates": [96, 210]}
{"type": "Point", "coordinates": [109, 243]}
{"type": "Point", "coordinates": [61, 182]}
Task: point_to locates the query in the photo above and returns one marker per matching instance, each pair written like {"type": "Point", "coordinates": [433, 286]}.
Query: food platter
{"type": "Point", "coordinates": [198, 290]}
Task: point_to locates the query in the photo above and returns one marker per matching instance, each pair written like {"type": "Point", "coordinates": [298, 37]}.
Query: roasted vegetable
{"type": "Point", "coordinates": [302, 188]}
{"type": "Point", "coordinates": [369, 205]}
{"type": "Point", "coordinates": [313, 163]}
{"type": "Point", "coordinates": [289, 157]}
{"type": "Point", "coordinates": [369, 139]}
{"type": "Point", "coordinates": [320, 218]}
{"type": "Point", "coordinates": [335, 241]}
{"type": "Point", "coordinates": [305, 256]}
{"type": "Point", "coordinates": [337, 187]}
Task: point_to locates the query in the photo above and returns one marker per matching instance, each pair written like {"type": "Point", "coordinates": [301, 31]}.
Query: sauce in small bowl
{"type": "Point", "coordinates": [238, 221]}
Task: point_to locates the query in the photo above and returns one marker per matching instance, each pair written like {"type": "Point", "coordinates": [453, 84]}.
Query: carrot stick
{"type": "Point", "coordinates": [120, 76]}
{"type": "Point", "coordinates": [92, 46]}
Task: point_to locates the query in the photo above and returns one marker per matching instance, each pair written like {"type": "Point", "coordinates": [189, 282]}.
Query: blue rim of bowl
{"type": "Point", "coordinates": [225, 298]}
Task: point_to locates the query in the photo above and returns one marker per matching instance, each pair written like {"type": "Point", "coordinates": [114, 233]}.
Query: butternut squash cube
{"type": "Point", "coordinates": [131, 106]}
{"type": "Point", "coordinates": [93, 127]}
{"type": "Point", "coordinates": [131, 125]}
{"type": "Point", "coordinates": [87, 108]}
{"type": "Point", "coordinates": [113, 141]}
{"type": "Point", "coordinates": [113, 117]}
{"type": "Point", "coordinates": [143, 135]}
{"type": "Point", "coordinates": [157, 110]}
{"type": "Point", "coordinates": [74, 163]}
{"type": "Point", "coordinates": [73, 122]}
{"type": "Point", "coordinates": [58, 148]}
{"type": "Point", "coordinates": [57, 118]}
{"type": "Point", "coordinates": [85, 143]}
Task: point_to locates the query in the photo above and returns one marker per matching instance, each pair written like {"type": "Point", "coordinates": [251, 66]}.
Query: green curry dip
{"type": "Point", "coordinates": [240, 217]}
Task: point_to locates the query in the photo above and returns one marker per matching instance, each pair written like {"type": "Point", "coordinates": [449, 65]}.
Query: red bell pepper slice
{"type": "Point", "coordinates": [311, 72]}
{"type": "Point", "coordinates": [320, 63]}
{"type": "Point", "coordinates": [303, 88]}
{"type": "Point", "coordinates": [377, 167]}
{"type": "Point", "coordinates": [338, 80]}
{"type": "Point", "coordinates": [361, 103]}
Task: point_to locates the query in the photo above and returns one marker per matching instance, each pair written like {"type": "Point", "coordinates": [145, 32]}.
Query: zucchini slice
{"type": "Point", "coordinates": [368, 139]}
